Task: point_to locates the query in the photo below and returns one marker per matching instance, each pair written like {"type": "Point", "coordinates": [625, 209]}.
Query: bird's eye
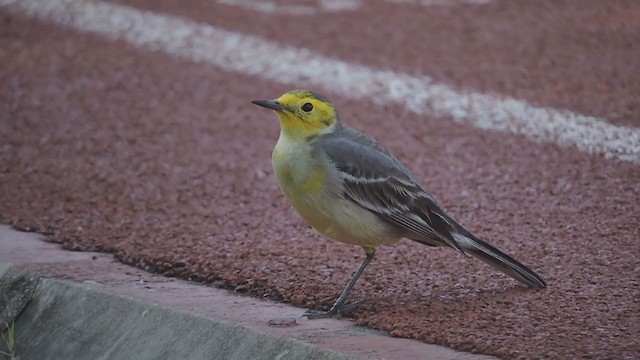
{"type": "Point", "coordinates": [307, 107]}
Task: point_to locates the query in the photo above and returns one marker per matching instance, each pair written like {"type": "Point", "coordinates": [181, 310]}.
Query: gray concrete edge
{"type": "Point", "coordinates": [67, 320]}
{"type": "Point", "coordinates": [31, 252]}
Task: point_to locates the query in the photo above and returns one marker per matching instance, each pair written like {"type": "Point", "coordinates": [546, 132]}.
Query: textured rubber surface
{"type": "Point", "coordinates": [166, 164]}
{"type": "Point", "coordinates": [28, 250]}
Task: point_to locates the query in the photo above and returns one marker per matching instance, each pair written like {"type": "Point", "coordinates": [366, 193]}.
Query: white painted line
{"type": "Point", "coordinates": [441, 2]}
{"type": "Point", "coordinates": [274, 7]}
{"type": "Point", "coordinates": [300, 67]}
{"type": "Point", "coordinates": [328, 6]}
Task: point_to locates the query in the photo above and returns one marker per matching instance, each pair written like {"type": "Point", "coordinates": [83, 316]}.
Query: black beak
{"type": "Point", "coordinates": [269, 104]}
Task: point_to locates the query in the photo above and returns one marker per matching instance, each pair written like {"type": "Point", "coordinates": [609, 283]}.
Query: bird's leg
{"type": "Point", "coordinates": [338, 306]}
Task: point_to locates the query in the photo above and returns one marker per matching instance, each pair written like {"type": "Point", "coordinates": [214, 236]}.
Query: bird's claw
{"type": "Point", "coordinates": [335, 311]}
{"type": "Point", "coordinates": [318, 314]}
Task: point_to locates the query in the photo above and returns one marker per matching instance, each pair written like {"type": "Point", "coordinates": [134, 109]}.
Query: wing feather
{"type": "Point", "coordinates": [377, 181]}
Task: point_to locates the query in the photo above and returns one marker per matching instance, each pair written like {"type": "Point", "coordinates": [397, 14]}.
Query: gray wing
{"type": "Point", "coordinates": [377, 181]}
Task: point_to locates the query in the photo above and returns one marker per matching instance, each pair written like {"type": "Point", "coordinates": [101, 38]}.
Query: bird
{"type": "Point", "coordinates": [350, 188]}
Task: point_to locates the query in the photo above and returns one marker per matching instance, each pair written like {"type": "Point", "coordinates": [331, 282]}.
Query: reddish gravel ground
{"type": "Point", "coordinates": [166, 164]}
{"type": "Point", "coordinates": [555, 53]}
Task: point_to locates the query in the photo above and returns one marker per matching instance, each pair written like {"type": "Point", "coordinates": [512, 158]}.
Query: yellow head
{"type": "Point", "coordinates": [303, 113]}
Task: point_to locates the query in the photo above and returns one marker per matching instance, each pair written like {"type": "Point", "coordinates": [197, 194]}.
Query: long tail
{"type": "Point", "coordinates": [499, 260]}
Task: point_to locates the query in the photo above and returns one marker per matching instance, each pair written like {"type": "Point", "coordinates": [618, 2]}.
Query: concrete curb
{"type": "Point", "coordinates": [118, 311]}
{"type": "Point", "coordinates": [65, 320]}
{"type": "Point", "coordinates": [16, 290]}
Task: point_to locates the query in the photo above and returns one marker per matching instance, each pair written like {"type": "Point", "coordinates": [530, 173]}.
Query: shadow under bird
{"type": "Point", "coordinates": [352, 189]}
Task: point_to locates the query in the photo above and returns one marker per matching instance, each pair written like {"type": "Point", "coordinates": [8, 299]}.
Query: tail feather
{"type": "Point", "coordinates": [499, 260]}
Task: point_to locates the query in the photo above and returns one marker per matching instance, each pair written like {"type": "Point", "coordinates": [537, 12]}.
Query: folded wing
{"type": "Point", "coordinates": [377, 181]}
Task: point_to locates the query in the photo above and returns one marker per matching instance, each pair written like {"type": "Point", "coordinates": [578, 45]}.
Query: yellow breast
{"type": "Point", "coordinates": [296, 169]}
{"type": "Point", "coordinates": [303, 180]}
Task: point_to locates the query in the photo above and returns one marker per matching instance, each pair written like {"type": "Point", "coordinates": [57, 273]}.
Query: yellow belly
{"type": "Point", "coordinates": [349, 223]}
{"type": "Point", "coordinates": [304, 185]}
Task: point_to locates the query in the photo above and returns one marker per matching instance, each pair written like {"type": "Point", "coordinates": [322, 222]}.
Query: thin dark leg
{"type": "Point", "coordinates": [338, 306]}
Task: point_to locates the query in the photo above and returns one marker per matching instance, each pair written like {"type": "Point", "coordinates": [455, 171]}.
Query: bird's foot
{"type": "Point", "coordinates": [335, 311]}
